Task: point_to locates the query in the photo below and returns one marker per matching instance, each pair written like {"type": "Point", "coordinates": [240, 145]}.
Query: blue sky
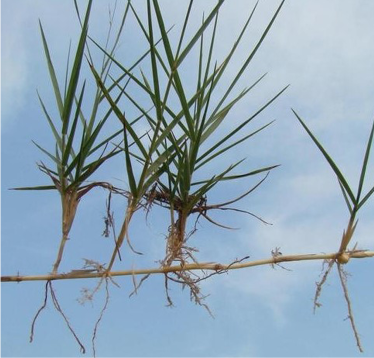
{"type": "Point", "coordinates": [324, 49]}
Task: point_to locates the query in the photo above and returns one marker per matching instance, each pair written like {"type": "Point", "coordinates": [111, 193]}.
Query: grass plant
{"type": "Point", "coordinates": [79, 149]}
{"type": "Point", "coordinates": [170, 161]}
{"type": "Point", "coordinates": [354, 203]}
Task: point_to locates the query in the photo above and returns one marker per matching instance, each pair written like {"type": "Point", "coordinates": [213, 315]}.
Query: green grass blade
{"type": "Point", "coordinates": [240, 127]}
{"type": "Point", "coordinates": [251, 55]}
{"type": "Point", "coordinates": [185, 23]}
{"type": "Point", "coordinates": [166, 156]}
{"type": "Point", "coordinates": [169, 74]}
{"type": "Point", "coordinates": [52, 73]}
{"type": "Point", "coordinates": [149, 92]}
{"type": "Point", "coordinates": [180, 91]}
{"type": "Point", "coordinates": [156, 79]}
{"type": "Point", "coordinates": [333, 166]}
{"type": "Point", "coordinates": [226, 61]}
{"type": "Point", "coordinates": [162, 164]}
{"type": "Point", "coordinates": [74, 77]}
{"type": "Point", "coordinates": [366, 197]}
{"type": "Point", "coordinates": [253, 172]}
{"type": "Point", "coordinates": [176, 118]}
{"type": "Point", "coordinates": [118, 113]}
{"type": "Point", "coordinates": [126, 71]}
{"type": "Point", "coordinates": [198, 103]}
{"type": "Point", "coordinates": [364, 164]}
{"type": "Point", "coordinates": [104, 142]}
{"type": "Point", "coordinates": [84, 151]}
{"type": "Point", "coordinates": [67, 72]}
{"type": "Point", "coordinates": [195, 146]}
{"type": "Point", "coordinates": [50, 122]}
{"type": "Point", "coordinates": [130, 172]}
{"type": "Point", "coordinates": [97, 102]}
{"type": "Point", "coordinates": [89, 169]}
{"type": "Point", "coordinates": [185, 182]}
{"type": "Point", "coordinates": [78, 160]}
{"type": "Point", "coordinates": [51, 156]}
{"type": "Point", "coordinates": [92, 133]}
{"type": "Point", "coordinates": [217, 113]}
{"type": "Point", "coordinates": [40, 187]}
{"type": "Point", "coordinates": [346, 198]}
{"type": "Point", "coordinates": [198, 33]}
{"type": "Point", "coordinates": [214, 122]}
{"type": "Point", "coordinates": [113, 152]}
{"type": "Point", "coordinates": [223, 177]}
{"type": "Point", "coordinates": [210, 183]}
{"type": "Point", "coordinates": [69, 145]}
{"type": "Point", "coordinates": [220, 152]}
{"type": "Point", "coordinates": [202, 99]}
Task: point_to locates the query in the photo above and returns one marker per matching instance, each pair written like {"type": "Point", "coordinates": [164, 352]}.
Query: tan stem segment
{"type": "Point", "coordinates": [347, 236]}
{"type": "Point", "coordinates": [70, 202]}
{"type": "Point", "coordinates": [122, 235]}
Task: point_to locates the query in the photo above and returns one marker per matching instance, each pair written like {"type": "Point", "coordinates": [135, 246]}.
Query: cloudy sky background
{"type": "Point", "coordinates": [324, 49]}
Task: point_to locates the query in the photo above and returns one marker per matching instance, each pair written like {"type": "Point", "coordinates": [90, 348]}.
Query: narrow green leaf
{"type": "Point", "coordinates": [364, 164]}
{"type": "Point", "coordinates": [186, 177]}
{"type": "Point", "coordinates": [195, 145]}
{"type": "Point", "coordinates": [149, 92]}
{"type": "Point", "coordinates": [186, 19]}
{"type": "Point", "coordinates": [174, 67]}
{"type": "Point", "coordinates": [55, 159]}
{"type": "Point", "coordinates": [165, 156]}
{"type": "Point", "coordinates": [67, 72]}
{"type": "Point", "coordinates": [333, 166]}
{"type": "Point", "coordinates": [217, 120]}
{"type": "Point", "coordinates": [169, 73]}
{"type": "Point", "coordinates": [50, 122]}
{"type": "Point", "coordinates": [367, 196]}
{"type": "Point", "coordinates": [52, 73]}
{"type": "Point", "coordinates": [74, 77]}
{"type": "Point", "coordinates": [242, 125]}
{"type": "Point", "coordinates": [251, 55]}
{"type": "Point", "coordinates": [126, 71]}
{"type": "Point", "coordinates": [69, 145]}
{"type": "Point", "coordinates": [130, 172]}
{"type": "Point", "coordinates": [210, 183]}
{"type": "Point", "coordinates": [346, 198]}
{"type": "Point", "coordinates": [118, 113]}
{"type": "Point", "coordinates": [104, 142]}
{"type": "Point", "coordinates": [202, 99]}
{"type": "Point", "coordinates": [60, 171]}
{"type": "Point", "coordinates": [41, 187]}
{"type": "Point", "coordinates": [254, 172]}
{"type": "Point", "coordinates": [220, 152]}
{"type": "Point", "coordinates": [89, 169]}
{"type": "Point", "coordinates": [219, 114]}
{"type": "Point", "coordinates": [198, 33]}
{"type": "Point", "coordinates": [156, 79]}
{"type": "Point", "coordinates": [226, 61]}
{"type": "Point", "coordinates": [79, 159]}
{"type": "Point", "coordinates": [160, 166]}
{"type": "Point", "coordinates": [240, 176]}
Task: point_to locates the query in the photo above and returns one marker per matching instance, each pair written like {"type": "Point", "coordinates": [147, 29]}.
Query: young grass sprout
{"type": "Point", "coordinates": [354, 203]}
